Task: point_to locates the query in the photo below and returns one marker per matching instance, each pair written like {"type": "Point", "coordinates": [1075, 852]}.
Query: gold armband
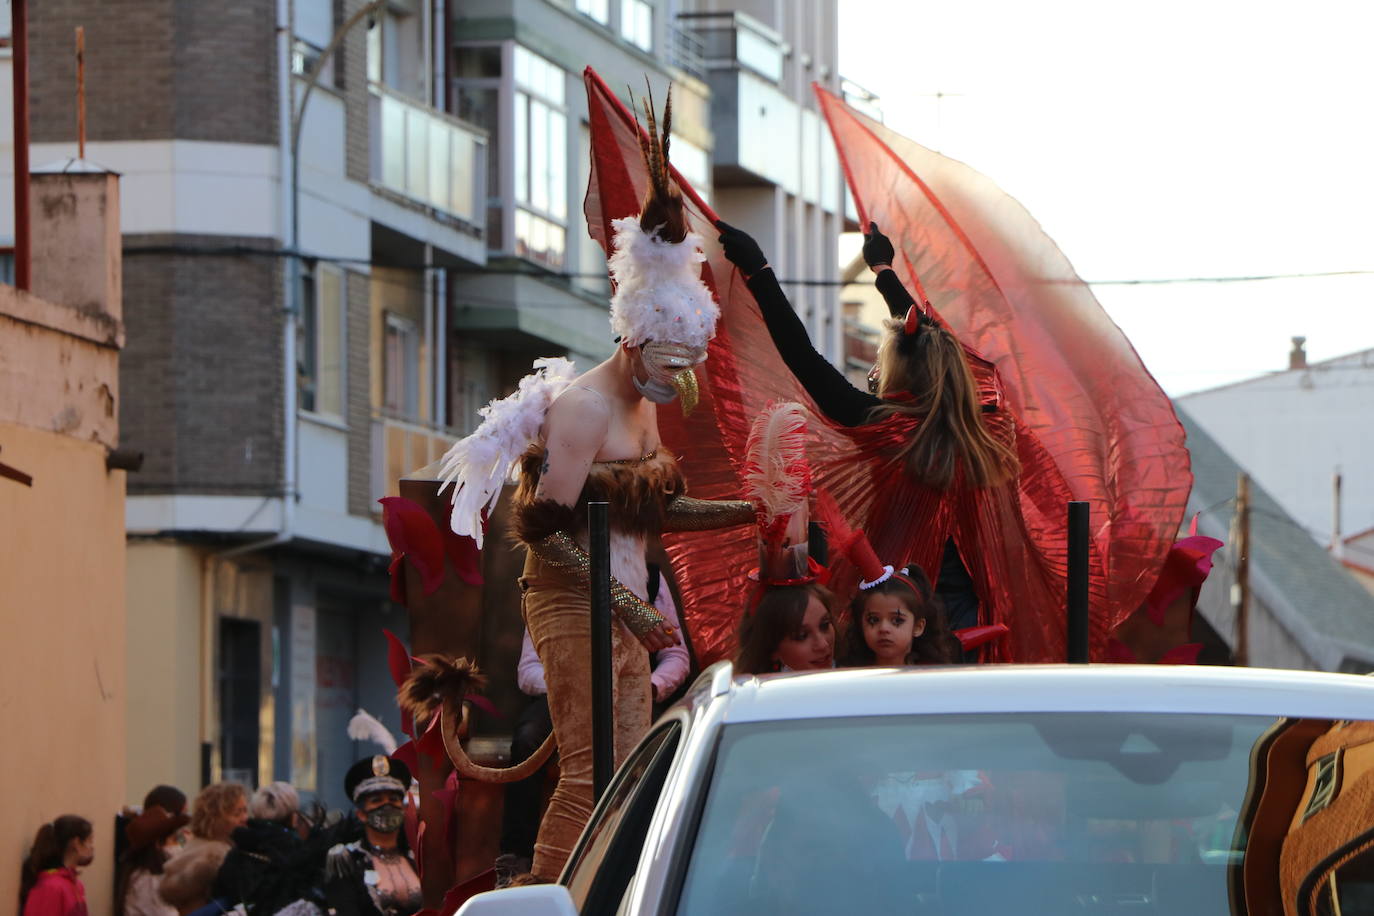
{"type": "Point", "coordinates": [688, 514]}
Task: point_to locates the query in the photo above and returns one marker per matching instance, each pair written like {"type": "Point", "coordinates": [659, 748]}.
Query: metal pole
{"type": "Point", "coordinates": [603, 734]}
{"type": "Point", "coordinates": [19, 39]}
{"type": "Point", "coordinates": [1078, 583]}
{"type": "Point", "coordinates": [1240, 591]}
{"type": "Point", "coordinates": [80, 93]}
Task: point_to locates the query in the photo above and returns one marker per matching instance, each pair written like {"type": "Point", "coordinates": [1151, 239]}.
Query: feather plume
{"type": "Point", "coordinates": [479, 464]}
{"type": "Point", "coordinates": [437, 679]}
{"type": "Point", "coordinates": [776, 473]}
{"type": "Point", "coordinates": [365, 727]}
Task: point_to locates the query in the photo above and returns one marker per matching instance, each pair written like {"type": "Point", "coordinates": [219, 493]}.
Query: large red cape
{"type": "Point", "coordinates": [1088, 420]}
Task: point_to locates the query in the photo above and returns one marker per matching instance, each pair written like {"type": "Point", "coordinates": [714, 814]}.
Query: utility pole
{"type": "Point", "coordinates": [80, 92]}
{"type": "Point", "coordinates": [1240, 591]}
{"type": "Point", "coordinates": [19, 42]}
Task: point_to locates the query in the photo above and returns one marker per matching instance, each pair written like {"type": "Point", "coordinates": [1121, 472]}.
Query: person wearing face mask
{"type": "Point", "coordinates": [375, 876]}
{"type": "Point", "coordinates": [572, 439]}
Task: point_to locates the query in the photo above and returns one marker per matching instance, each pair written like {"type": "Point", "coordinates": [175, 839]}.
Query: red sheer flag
{"type": "Point", "coordinates": [1119, 445]}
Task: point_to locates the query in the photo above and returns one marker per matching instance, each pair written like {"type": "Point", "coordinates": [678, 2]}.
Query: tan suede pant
{"type": "Point", "coordinates": [557, 612]}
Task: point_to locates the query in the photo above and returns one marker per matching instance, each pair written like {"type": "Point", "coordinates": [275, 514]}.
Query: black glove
{"type": "Point", "coordinates": [741, 249]}
{"type": "Point", "coordinates": [877, 248]}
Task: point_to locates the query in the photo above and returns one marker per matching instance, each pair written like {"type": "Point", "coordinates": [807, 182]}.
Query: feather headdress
{"type": "Point", "coordinates": [365, 727]}
{"type": "Point", "coordinates": [477, 465]}
{"type": "Point", "coordinates": [656, 260]}
{"type": "Point", "coordinates": [778, 480]}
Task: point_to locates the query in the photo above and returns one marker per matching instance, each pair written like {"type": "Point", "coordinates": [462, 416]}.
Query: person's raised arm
{"type": "Point", "coordinates": [574, 431]}
{"type": "Point", "coordinates": [878, 255]}
{"type": "Point", "coordinates": [827, 386]}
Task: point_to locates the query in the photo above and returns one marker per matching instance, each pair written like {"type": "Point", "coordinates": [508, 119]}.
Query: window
{"type": "Point", "coordinates": [637, 23]}
{"type": "Point", "coordinates": [320, 342]}
{"type": "Point", "coordinates": [401, 368]}
{"type": "Point", "coordinates": [608, 853]}
{"type": "Point", "coordinates": [974, 814]}
{"type": "Point", "coordinates": [314, 21]}
{"type": "Point", "coordinates": [595, 9]}
{"type": "Point", "coordinates": [477, 73]}
{"type": "Point", "coordinates": [540, 160]}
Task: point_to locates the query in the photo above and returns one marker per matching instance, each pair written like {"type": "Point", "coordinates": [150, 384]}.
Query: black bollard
{"type": "Point", "coordinates": [603, 732]}
{"type": "Point", "coordinates": [1078, 583]}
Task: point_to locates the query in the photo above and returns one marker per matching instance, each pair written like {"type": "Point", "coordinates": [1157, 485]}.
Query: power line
{"type": "Point", "coordinates": [546, 274]}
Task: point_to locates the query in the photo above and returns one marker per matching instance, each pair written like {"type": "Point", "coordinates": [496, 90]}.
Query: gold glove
{"type": "Point", "coordinates": [688, 514]}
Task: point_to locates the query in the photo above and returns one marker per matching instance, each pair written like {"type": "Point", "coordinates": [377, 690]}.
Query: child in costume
{"type": "Point", "coordinates": [895, 617]}
{"type": "Point", "coordinates": [788, 625]}
{"type": "Point", "coordinates": [595, 437]}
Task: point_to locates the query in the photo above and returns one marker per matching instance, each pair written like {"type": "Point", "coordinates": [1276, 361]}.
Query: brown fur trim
{"type": "Point", "coordinates": [639, 494]}
{"type": "Point", "coordinates": [535, 520]}
{"type": "Point", "coordinates": [436, 679]}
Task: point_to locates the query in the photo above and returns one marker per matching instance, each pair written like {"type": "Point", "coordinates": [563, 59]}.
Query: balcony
{"type": "Point", "coordinates": [429, 158]}
{"type": "Point", "coordinates": [762, 136]}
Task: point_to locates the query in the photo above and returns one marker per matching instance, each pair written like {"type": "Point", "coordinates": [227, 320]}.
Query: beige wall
{"type": "Point", "coordinates": [164, 607]}
{"type": "Point", "coordinates": [62, 686]}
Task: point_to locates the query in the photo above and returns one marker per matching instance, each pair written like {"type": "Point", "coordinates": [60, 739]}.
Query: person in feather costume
{"type": "Point", "coordinates": [595, 437]}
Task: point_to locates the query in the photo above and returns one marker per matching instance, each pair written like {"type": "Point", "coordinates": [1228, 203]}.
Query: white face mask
{"type": "Point", "coordinates": [654, 390]}
{"type": "Point", "coordinates": [668, 364]}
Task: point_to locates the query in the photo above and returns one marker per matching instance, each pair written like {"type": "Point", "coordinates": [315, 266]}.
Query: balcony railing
{"type": "Point", "coordinates": [732, 39]}
{"type": "Point", "coordinates": [429, 157]}
{"type": "Point", "coordinates": [686, 50]}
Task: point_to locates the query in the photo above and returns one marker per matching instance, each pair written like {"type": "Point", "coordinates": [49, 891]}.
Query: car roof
{"type": "Point", "coordinates": [1047, 688]}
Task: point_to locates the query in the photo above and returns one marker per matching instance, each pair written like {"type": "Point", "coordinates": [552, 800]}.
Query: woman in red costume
{"type": "Point", "coordinates": [935, 413]}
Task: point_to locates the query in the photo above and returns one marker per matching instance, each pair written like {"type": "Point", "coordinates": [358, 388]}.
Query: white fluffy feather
{"type": "Point", "coordinates": [479, 464]}
{"type": "Point", "coordinates": [659, 294]}
{"type": "Point", "coordinates": [776, 474]}
{"type": "Point", "coordinates": [365, 727]}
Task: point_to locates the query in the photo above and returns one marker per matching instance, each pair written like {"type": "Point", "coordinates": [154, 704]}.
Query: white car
{"type": "Point", "coordinates": [987, 790]}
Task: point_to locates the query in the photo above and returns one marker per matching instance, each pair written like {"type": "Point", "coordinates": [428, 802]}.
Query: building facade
{"type": "Point", "coordinates": [64, 681]}
{"type": "Point", "coordinates": [1296, 430]}
{"type": "Point", "coordinates": [347, 226]}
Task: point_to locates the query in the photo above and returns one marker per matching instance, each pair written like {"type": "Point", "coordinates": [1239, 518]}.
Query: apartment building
{"type": "Point", "coordinates": [346, 226]}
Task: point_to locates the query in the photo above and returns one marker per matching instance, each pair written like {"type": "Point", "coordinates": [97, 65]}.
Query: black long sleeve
{"type": "Point", "coordinates": [832, 392]}
{"type": "Point", "coordinates": [898, 299]}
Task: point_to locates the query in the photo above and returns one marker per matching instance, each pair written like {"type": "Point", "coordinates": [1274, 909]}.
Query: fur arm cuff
{"type": "Point", "coordinates": [541, 518]}
{"type": "Point", "coordinates": [688, 514]}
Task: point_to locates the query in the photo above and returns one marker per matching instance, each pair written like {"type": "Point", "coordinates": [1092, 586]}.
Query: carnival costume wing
{"type": "Point", "coordinates": [710, 568]}
{"type": "Point", "coordinates": [1095, 424]}
{"type": "Point", "coordinates": [1081, 397]}
{"type": "Point", "coordinates": [479, 464]}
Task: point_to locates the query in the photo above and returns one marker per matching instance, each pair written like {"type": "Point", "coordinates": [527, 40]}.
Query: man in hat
{"type": "Point", "coordinates": [375, 876]}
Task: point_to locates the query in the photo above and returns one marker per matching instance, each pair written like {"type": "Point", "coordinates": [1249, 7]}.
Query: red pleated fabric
{"type": "Point", "coordinates": [1091, 422]}
{"type": "Point", "coordinates": [1114, 440]}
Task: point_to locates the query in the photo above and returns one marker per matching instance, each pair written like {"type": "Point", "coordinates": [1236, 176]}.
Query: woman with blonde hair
{"type": "Point", "coordinates": [932, 404]}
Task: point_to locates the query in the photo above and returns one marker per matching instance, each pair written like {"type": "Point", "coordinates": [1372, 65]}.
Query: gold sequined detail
{"type": "Point", "coordinates": [689, 395]}
{"type": "Point", "coordinates": [688, 514]}
{"type": "Point", "coordinates": [560, 550]}
{"type": "Point", "coordinates": [649, 457]}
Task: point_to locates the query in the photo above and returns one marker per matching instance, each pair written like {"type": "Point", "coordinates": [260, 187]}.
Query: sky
{"type": "Point", "coordinates": [1160, 141]}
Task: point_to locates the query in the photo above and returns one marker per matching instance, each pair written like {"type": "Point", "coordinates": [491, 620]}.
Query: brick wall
{"type": "Point", "coordinates": [201, 374]}
{"type": "Point", "coordinates": [351, 70]}
{"type": "Point", "coordinates": [359, 395]}
{"type": "Point", "coordinates": [155, 70]}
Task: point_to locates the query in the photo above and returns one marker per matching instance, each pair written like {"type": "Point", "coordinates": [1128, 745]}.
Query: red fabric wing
{"type": "Point", "coordinates": [1079, 392]}
{"type": "Point", "coordinates": [1095, 427]}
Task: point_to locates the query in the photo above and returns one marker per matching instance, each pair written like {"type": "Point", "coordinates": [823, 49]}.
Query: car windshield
{"type": "Point", "coordinates": [1031, 814]}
